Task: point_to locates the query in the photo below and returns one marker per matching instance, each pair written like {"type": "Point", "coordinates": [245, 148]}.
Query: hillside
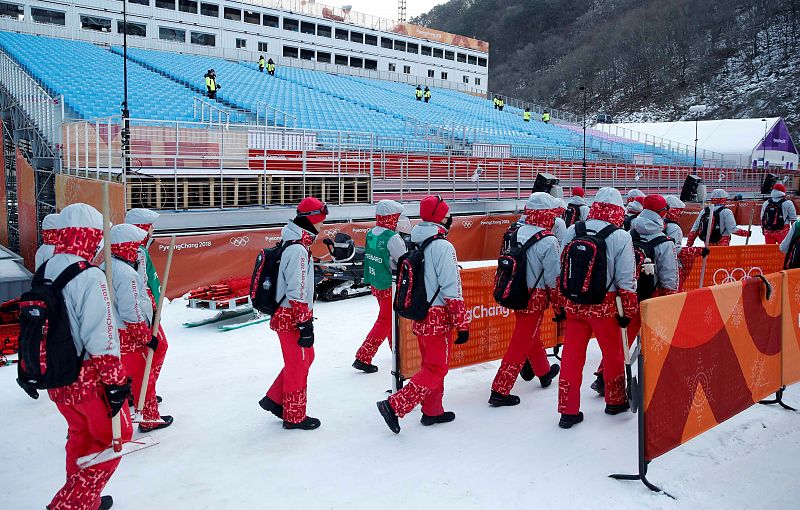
{"type": "Point", "coordinates": [639, 59]}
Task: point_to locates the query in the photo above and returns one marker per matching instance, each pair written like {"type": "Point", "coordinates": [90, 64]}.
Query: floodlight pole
{"type": "Point", "coordinates": [583, 171]}
{"type": "Point", "coordinates": [764, 147]}
{"type": "Point", "coordinates": [126, 133]}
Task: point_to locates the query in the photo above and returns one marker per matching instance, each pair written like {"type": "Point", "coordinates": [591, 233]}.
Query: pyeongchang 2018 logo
{"type": "Point", "coordinates": [481, 311]}
{"type": "Point", "coordinates": [495, 222]}
{"type": "Point", "coordinates": [361, 230]}
{"type": "Point", "coordinates": [239, 241]}
{"type": "Point", "coordinates": [272, 239]}
{"type": "Point", "coordinates": [734, 275]}
{"type": "Point", "coordinates": [467, 224]}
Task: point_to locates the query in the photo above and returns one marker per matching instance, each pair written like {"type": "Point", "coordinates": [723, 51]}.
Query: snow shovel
{"type": "Point", "coordinates": [633, 384]}
{"type": "Point", "coordinates": [117, 448]}
{"type": "Point", "coordinates": [138, 418]}
{"type": "Point", "coordinates": [707, 240]}
{"type": "Point", "coordinates": [750, 225]}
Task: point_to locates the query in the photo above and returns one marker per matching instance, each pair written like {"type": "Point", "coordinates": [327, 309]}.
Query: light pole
{"type": "Point", "coordinates": [126, 133]}
{"type": "Point", "coordinates": [764, 147]}
{"type": "Point", "coordinates": [697, 110]}
{"type": "Point", "coordinates": [583, 171]}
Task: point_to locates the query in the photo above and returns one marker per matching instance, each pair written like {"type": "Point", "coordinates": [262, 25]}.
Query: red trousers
{"type": "Point", "coordinates": [289, 388]}
{"type": "Point", "coordinates": [633, 330]}
{"type": "Point", "coordinates": [525, 343]}
{"type": "Point", "coordinates": [381, 330]}
{"type": "Point", "coordinates": [89, 432]}
{"type": "Point", "coordinates": [775, 236]}
{"type": "Point", "coordinates": [134, 365]}
{"type": "Point", "coordinates": [427, 385]}
{"type": "Point", "coordinates": [578, 332]}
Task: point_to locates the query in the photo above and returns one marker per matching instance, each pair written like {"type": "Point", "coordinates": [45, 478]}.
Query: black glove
{"type": "Point", "coordinates": [462, 337]}
{"type": "Point", "coordinates": [560, 316]}
{"type": "Point", "coordinates": [117, 397]}
{"type": "Point", "coordinates": [705, 251]}
{"type": "Point", "coordinates": [623, 321]}
{"type": "Point", "coordinates": [306, 329]}
{"type": "Point", "coordinates": [30, 390]}
{"type": "Point", "coordinates": [153, 343]}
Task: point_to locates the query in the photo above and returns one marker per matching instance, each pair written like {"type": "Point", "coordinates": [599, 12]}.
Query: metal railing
{"type": "Point", "coordinates": [557, 115]}
{"type": "Point", "coordinates": [209, 113]}
{"type": "Point", "coordinates": [286, 119]}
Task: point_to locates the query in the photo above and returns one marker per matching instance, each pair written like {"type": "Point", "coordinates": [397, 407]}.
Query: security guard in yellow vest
{"type": "Point", "coordinates": [500, 103]}
{"type": "Point", "coordinates": [418, 93]}
{"type": "Point", "coordinates": [546, 117]}
{"type": "Point", "coordinates": [270, 67]}
{"type": "Point", "coordinates": [261, 63]}
{"type": "Point", "coordinates": [495, 101]}
{"type": "Point", "coordinates": [526, 115]}
{"type": "Point", "coordinates": [427, 94]}
{"type": "Point", "coordinates": [211, 84]}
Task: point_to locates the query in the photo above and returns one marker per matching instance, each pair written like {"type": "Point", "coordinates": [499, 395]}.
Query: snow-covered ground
{"type": "Point", "coordinates": [225, 452]}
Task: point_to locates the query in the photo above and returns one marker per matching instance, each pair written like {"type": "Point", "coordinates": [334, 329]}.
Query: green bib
{"type": "Point", "coordinates": [377, 268]}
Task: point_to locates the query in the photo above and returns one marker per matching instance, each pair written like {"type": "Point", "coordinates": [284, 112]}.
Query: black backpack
{"type": "Point", "coordinates": [572, 214]}
{"type": "Point", "coordinates": [510, 237]}
{"type": "Point", "coordinates": [47, 355]}
{"type": "Point", "coordinates": [646, 284]}
{"type": "Point", "coordinates": [716, 231]}
{"type": "Point", "coordinates": [773, 215]}
{"type": "Point", "coordinates": [411, 299]}
{"type": "Point", "coordinates": [264, 282]}
{"type": "Point", "coordinates": [510, 280]}
{"type": "Point", "coordinates": [627, 221]}
{"type": "Point", "coordinates": [584, 266]}
{"type": "Point", "coordinates": [792, 260]}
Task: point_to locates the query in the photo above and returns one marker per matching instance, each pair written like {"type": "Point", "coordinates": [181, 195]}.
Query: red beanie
{"type": "Point", "coordinates": [314, 209]}
{"type": "Point", "coordinates": [577, 191]}
{"type": "Point", "coordinates": [640, 200]}
{"type": "Point", "coordinates": [433, 208]}
{"type": "Point", "coordinates": [779, 187]}
{"type": "Point", "coordinates": [656, 203]}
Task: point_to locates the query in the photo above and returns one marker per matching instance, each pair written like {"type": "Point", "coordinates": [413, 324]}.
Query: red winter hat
{"type": "Point", "coordinates": [657, 204]}
{"type": "Point", "coordinates": [433, 208]}
{"type": "Point", "coordinates": [577, 191]}
{"type": "Point", "coordinates": [779, 187]}
{"type": "Point", "coordinates": [314, 209]}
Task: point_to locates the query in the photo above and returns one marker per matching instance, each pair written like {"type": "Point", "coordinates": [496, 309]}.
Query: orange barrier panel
{"type": "Point", "coordinates": [709, 354]}
{"type": "Point", "coordinates": [490, 328]}
{"type": "Point", "coordinates": [26, 210]}
{"type": "Point", "coordinates": [791, 327]}
{"type": "Point", "coordinates": [72, 190]}
{"type": "Point", "coordinates": [728, 264]}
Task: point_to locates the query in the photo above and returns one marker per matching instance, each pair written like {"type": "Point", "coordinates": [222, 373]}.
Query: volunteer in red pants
{"type": "Point", "coordinates": [294, 321]}
{"type": "Point", "coordinates": [777, 215]}
{"type": "Point", "coordinates": [383, 247]}
{"type": "Point", "coordinates": [447, 312]}
{"type": "Point", "coordinates": [686, 255]}
{"type": "Point", "coordinates": [720, 219]}
{"type": "Point", "coordinates": [101, 389]}
{"type": "Point", "coordinates": [598, 320]}
{"type": "Point", "coordinates": [542, 268]}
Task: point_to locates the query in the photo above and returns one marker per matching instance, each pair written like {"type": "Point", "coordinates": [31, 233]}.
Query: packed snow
{"type": "Point", "coordinates": [225, 452]}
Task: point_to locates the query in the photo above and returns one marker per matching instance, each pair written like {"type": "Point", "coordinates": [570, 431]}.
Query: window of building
{"type": "Point", "coordinates": [263, 47]}
{"type": "Point", "coordinates": [211, 10]}
{"type": "Point", "coordinates": [270, 21]}
{"type": "Point", "coordinates": [444, 75]}
{"type": "Point", "coordinates": [166, 4]}
{"type": "Point", "coordinates": [252, 17]}
{"type": "Point", "coordinates": [291, 25]}
{"type": "Point", "coordinates": [477, 81]}
{"type": "Point", "coordinates": [407, 69]}
{"type": "Point", "coordinates": [412, 48]}
{"type": "Point", "coordinates": [290, 52]}
{"type": "Point", "coordinates": [187, 6]}
{"type": "Point", "coordinates": [133, 29]}
{"type": "Point", "coordinates": [449, 55]}
{"type": "Point", "coordinates": [392, 68]}
{"type": "Point", "coordinates": [370, 39]}
{"type": "Point", "coordinates": [465, 79]}
{"type": "Point", "coordinates": [357, 37]}
{"type": "Point", "coordinates": [431, 73]}
{"type": "Point", "coordinates": [426, 50]}
{"type": "Point", "coordinates": [95, 23]}
{"type": "Point", "coordinates": [370, 64]}
{"type": "Point", "coordinates": [356, 62]}
{"type": "Point", "coordinates": [140, 2]}
{"type": "Point", "coordinates": [482, 62]}
{"type": "Point", "coordinates": [323, 31]}
{"type": "Point", "coordinates": [340, 60]}
{"type": "Point", "coordinates": [12, 11]}
{"type": "Point", "coordinates": [399, 45]}
{"type": "Point", "coordinates": [203, 39]}
{"type": "Point", "coordinates": [308, 28]}
{"type": "Point", "coordinates": [386, 43]}
{"type": "Point", "coordinates": [241, 43]}
{"type": "Point", "coordinates": [323, 56]}
{"type": "Point", "coordinates": [171, 34]}
{"type": "Point", "coordinates": [342, 35]}
{"type": "Point", "coordinates": [461, 57]}
{"type": "Point", "coordinates": [232, 14]}
{"type": "Point", "coordinates": [473, 60]}
{"type": "Point", "coordinates": [438, 53]}
{"type": "Point", "coordinates": [48, 16]}
{"type": "Point", "coordinates": [306, 54]}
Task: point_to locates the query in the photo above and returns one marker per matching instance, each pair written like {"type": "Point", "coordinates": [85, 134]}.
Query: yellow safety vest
{"type": "Point", "coordinates": [500, 102]}
{"type": "Point", "coordinates": [270, 67]}
{"type": "Point", "coordinates": [211, 84]}
{"type": "Point", "coordinates": [419, 92]}
{"type": "Point", "coordinates": [545, 117]}
{"type": "Point", "coordinates": [526, 116]}
{"type": "Point", "coordinates": [261, 62]}
{"type": "Point", "coordinates": [428, 94]}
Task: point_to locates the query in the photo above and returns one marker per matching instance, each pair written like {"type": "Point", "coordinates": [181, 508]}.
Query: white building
{"type": "Point", "coordinates": [291, 32]}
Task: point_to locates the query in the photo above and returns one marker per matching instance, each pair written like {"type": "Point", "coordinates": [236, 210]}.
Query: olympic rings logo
{"type": "Point", "coordinates": [239, 241]}
{"type": "Point", "coordinates": [734, 275]}
{"type": "Point", "coordinates": [331, 232]}
{"type": "Point", "coordinates": [467, 224]}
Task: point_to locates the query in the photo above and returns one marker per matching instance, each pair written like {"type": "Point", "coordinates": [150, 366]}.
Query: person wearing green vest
{"type": "Point", "coordinates": [270, 67]}
{"type": "Point", "coordinates": [418, 93]}
{"type": "Point", "coordinates": [427, 94]}
{"type": "Point", "coordinates": [546, 117]}
{"type": "Point", "coordinates": [494, 101]}
{"type": "Point", "coordinates": [261, 63]}
{"type": "Point", "coordinates": [500, 103]}
{"type": "Point", "coordinates": [384, 246]}
{"type": "Point", "coordinates": [526, 115]}
{"type": "Point", "coordinates": [211, 84]}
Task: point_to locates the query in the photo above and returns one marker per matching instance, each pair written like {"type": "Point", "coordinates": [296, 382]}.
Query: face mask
{"type": "Point", "coordinates": [448, 222]}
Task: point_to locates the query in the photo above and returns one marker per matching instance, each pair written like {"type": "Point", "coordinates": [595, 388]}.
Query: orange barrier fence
{"type": "Point", "coordinates": [726, 264]}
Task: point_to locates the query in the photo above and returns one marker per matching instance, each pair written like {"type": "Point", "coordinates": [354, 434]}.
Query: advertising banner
{"type": "Point", "coordinates": [728, 264]}
{"type": "Point", "coordinates": [71, 190]}
{"type": "Point", "coordinates": [433, 35]}
{"type": "Point", "coordinates": [791, 327]}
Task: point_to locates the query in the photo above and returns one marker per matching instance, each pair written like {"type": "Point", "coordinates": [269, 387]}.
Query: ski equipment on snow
{"type": "Point", "coordinates": [583, 266]}
{"type": "Point", "coordinates": [572, 214]}
{"type": "Point", "coordinates": [646, 282]}
{"type": "Point", "coordinates": [716, 229]}
{"type": "Point", "coordinates": [411, 300]}
{"type": "Point", "coordinates": [264, 283]}
{"type": "Point", "coordinates": [510, 280]}
{"type": "Point", "coordinates": [773, 215]}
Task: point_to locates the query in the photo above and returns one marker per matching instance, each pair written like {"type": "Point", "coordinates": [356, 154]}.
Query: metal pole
{"type": "Point", "coordinates": [126, 133]}
{"type": "Point", "coordinates": [695, 144]}
{"type": "Point", "coordinates": [583, 171]}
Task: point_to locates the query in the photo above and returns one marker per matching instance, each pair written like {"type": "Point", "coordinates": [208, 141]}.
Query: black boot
{"type": "Point", "coordinates": [270, 405]}
{"type": "Point", "coordinates": [106, 502]}
{"type": "Point", "coordinates": [500, 400]}
{"type": "Point", "coordinates": [159, 399]}
{"type": "Point", "coordinates": [547, 378]}
{"type": "Point", "coordinates": [568, 420]}
{"type": "Point", "coordinates": [527, 371]}
{"type": "Point", "coordinates": [389, 416]}
{"type": "Point", "coordinates": [445, 417]}
{"type": "Point", "coordinates": [617, 408]}
{"type": "Point", "coordinates": [308, 424]}
{"type": "Point", "coordinates": [166, 421]}
{"type": "Point", "coordinates": [599, 385]}
{"type": "Point", "coordinates": [364, 367]}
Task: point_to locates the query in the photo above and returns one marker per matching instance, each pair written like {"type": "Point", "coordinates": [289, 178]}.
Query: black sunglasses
{"type": "Point", "coordinates": [322, 210]}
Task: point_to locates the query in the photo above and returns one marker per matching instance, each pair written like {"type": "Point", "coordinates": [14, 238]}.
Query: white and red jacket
{"type": "Point", "coordinates": [49, 235]}
{"type": "Point", "coordinates": [295, 280]}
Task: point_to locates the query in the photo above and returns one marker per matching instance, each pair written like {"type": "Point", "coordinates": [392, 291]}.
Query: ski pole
{"type": "Point", "coordinates": [154, 332]}
{"type": "Point", "coordinates": [707, 240]}
{"type": "Point", "coordinates": [750, 225]}
{"type": "Point", "coordinates": [626, 351]}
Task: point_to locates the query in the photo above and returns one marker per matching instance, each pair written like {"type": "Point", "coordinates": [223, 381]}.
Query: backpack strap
{"type": "Point", "coordinates": [69, 273]}
{"type": "Point", "coordinates": [424, 245]}
{"type": "Point", "coordinates": [580, 229]}
{"type": "Point", "coordinates": [283, 245]}
{"type": "Point", "coordinates": [535, 238]}
{"type": "Point", "coordinates": [607, 231]}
